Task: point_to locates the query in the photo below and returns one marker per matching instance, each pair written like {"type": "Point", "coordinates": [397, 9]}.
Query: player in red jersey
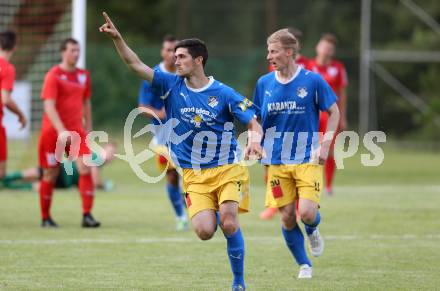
{"type": "Point", "coordinates": [66, 97]}
{"type": "Point", "coordinates": [7, 77]}
{"type": "Point", "coordinates": [334, 73]}
{"type": "Point", "coordinates": [302, 61]}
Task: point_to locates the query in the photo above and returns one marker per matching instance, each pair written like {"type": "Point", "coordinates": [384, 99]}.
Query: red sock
{"type": "Point", "coordinates": [86, 189]}
{"type": "Point", "coordinates": [46, 191]}
{"type": "Point", "coordinates": [330, 167]}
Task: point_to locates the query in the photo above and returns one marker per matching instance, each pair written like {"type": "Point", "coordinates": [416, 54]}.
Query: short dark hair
{"type": "Point", "coordinates": [65, 42]}
{"type": "Point", "coordinates": [295, 31]}
{"type": "Point", "coordinates": [7, 40]}
{"type": "Point", "coordinates": [169, 37]}
{"type": "Point", "coordinates": [196, 48]}
{"type": "Point", "coordinates": [331, 38]}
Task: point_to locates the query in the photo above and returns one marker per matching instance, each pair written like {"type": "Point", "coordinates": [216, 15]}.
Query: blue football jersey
{"type": "Point", "coordinates": [202, 134]}
{"type": "Point", "coordinates": [148, 97]}
{"type": "Point", "coordinates": [289, 115]}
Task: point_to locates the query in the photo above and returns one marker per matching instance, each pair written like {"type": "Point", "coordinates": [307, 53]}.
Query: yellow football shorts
{"type": "Point", "coordinates": [286, 183]}
{"type": "Point", "coordinates": [208, 188]}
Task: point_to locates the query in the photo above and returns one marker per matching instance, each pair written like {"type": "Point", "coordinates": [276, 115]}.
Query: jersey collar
{"type": "Point", "coordinates": [210, 82]}
{"type": "Point", "coordinates": [163, 68]}
{"type": "Point", "coordinates": [298, 69]}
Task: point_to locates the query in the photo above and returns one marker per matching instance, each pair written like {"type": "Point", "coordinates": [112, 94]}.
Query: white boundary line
{"type": "Point", "coordinates": [154, 240]}
{"type": "Point", "coordinates": [385, 188]}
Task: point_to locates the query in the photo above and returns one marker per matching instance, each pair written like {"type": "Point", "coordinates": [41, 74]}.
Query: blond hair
{"type": "Point", "coordinates": [287, 40]}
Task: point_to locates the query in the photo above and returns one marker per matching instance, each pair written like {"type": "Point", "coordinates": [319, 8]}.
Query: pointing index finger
{"type": "Point", "coordinates": [107, 19]}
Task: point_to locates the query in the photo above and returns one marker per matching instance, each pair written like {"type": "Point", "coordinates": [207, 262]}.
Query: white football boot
{"type": "Point", "coordinates": [316, 243]}
{"type": "Point", "coordinates": [305, 272]}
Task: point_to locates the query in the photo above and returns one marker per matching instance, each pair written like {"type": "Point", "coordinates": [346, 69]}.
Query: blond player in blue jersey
{"type": "Point", "coordinates": [288, 102]}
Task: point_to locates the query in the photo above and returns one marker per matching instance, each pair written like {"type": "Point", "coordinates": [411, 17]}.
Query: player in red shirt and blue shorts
{"type": "Point", "coordinates": [66, 97]}
{"type": "Point", "coordinates": [335, 75]}
{"type": "Point", "coordinates": [7, 77]}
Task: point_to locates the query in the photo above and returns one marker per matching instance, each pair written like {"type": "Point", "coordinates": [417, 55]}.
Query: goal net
{"type": "Point", "coordinates": [40, 26]}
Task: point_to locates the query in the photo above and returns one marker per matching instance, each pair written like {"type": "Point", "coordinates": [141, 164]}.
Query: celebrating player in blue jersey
{"type": "Point", "coordinates": [289, 100]}
{"type": "Point", "coordinates": [149, 100]}
{"type": "Point", "coordinates": [202, 143]}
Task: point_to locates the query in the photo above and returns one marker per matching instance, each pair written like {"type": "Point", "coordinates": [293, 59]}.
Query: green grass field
{"type": "Point", "coordinates": [382, 232]}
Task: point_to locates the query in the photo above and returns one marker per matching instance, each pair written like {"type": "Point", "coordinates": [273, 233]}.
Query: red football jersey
{"type": "Point", "coordinates": [7, 78]}
{"type": "Point", "coordinates": [334, 73]}
{"type": "Point", "coordinates": [302, 61]}
{"type": "Point", "coordinates": [69, 90]}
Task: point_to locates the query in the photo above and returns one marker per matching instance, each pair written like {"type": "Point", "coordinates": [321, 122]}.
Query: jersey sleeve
{"type": "Point", "coordinates": [163, 82]}
{"type": "Point", "coordinates": [8, 78]}
{"type": "Point", "coordinates": [146, 95]}
{"type": "Point", "coordinates": [325, 97]}
{"type": "Point", "coordinates": [50, 87]}
{"type": "Point", "coordinates": [343, 79]}
{"type": "Point", "coordinates": [303, 61]}
{"type": "Point", "coordinates": [88, 91]}
{"type": "Point", "coordinates": [258, 99]}
{"type": "Point", "coordinates": [240, 107]}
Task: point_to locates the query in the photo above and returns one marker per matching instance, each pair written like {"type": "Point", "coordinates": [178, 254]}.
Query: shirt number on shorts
{"type": "Point", "coordinates": [277, 192]}
{"type": "Point", "coordinates": [317, 187]}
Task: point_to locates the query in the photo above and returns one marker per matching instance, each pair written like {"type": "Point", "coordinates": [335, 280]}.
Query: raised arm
{"type": "Point", "coordinates": [127, 55]}
{"type": "Point", "coordinates": [152, 112]}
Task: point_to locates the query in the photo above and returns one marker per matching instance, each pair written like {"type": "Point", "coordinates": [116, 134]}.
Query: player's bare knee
{"type": "Point", "coordinates": [288, 220]}
{"type": "Point", "coordinates": [204, 224]}
{"type": "Point", "coordinates": [205, 233]}
{"type": "Point", "coordinates": [308, 215]}
{"type": "Point", "coordinates": [83, 169]}
{"type": "Point", "coordinates": [228, 224]}
{"type": "Point", "coordinates": [288, 216]}
{"type": "Point", "coordinates": [50, 174]}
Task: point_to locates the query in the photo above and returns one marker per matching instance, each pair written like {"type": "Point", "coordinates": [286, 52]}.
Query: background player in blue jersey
{"type": "Point", "coordinates": [201, 111]}
{"type": "Point", "coordinates": [290, 100]}
{"type": "Point", "coordinates": [156, 110]}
